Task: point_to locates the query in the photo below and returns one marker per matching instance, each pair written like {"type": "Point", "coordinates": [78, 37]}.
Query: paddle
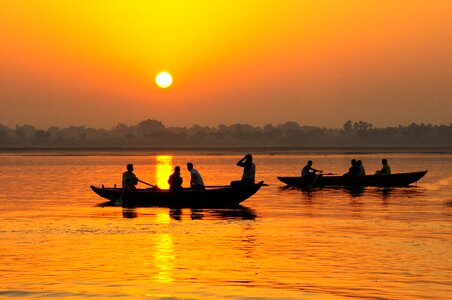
{"type": "Point", "coordinates": [317, 177]}
{"type": "Point", "coordinates": [224, 186]}
{"type": "Point", "coordinates": [154, 186]}
{"type": "Point", "coordinates": [216, 186]}
{"type": "Point", "coordinates": [119, 201]}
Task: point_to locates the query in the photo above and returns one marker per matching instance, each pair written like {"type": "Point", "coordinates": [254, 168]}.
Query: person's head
{"type": "Point", "coordinates": [353, 162]}
{"type": "Point", "coordinates": [130, 167]}
{"type": "Point", "coordinates": [359, 162]}
{"type": "Point", "coordinates": [384, 161]}
{"type": "Point", "coordinates": [309, 162]}
{"type": "Point", "coordinates": [177, 169]}
{"type": "Point", "coordinates": [249, 157]}
{"type": "Point", "coordinates": [189, 166]}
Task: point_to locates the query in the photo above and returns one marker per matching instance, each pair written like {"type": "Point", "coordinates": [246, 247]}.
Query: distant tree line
{"type": "Point", "coordinates": [152, 133]}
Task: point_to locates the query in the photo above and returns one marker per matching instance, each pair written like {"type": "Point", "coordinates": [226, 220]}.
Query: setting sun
{"type": "Point", "coordinates": [164, 79]}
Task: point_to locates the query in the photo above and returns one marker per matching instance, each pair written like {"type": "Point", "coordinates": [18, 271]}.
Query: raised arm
{"type": "Point", "coordinates": [241, 163]}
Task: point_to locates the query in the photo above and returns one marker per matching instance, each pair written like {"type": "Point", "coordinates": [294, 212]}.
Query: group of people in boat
{"type": "Point", "coordinates": [356, 169]}
{"type": "Point", "coordinates": [175, 180]}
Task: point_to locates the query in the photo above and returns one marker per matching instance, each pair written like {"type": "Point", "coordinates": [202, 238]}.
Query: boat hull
{"type": "Point", "coordinates": [216, 197]}
{"type": "Point", "coordinates": [392, 180]}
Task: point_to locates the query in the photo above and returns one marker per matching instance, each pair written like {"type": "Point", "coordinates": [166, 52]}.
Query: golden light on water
{"type": "Point", "coordinates": [163, 258]}
{"type": "Point", "coordinates": [163, 169]}
{"type": "Point", "coordinates": [162, 218]}
{"type": "Point", "coordinates": [301, 251]}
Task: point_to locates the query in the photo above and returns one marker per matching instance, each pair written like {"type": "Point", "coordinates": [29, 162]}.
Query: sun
{"type": "Point", "coordinates": [164, 79]}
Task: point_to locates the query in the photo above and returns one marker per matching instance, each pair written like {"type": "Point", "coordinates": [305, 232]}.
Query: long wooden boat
{"type": "Point", "coordinates": [396, 179]}
{"type": "Point", "coordinates": [219, 197]}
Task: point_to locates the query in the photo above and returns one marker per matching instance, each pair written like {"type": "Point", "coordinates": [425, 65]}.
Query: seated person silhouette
{"type": "Point", "coordinates": [175, 180]}
{"type": "Point", "coordinates": [308, 170]}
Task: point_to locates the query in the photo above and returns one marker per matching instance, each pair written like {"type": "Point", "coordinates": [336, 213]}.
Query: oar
{"type": "Point", "coordinates": [119, 201]}
{"type": "Point", "coordinates": [224, 186]}
{"type": "Point", "coordinates": [317, 177]}
{"type": "Point", "coordinates": [216, 186]}
{"type": "Point", "coordinates": [146, 183]}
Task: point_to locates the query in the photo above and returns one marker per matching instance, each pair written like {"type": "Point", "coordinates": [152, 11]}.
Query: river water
{"type": "Point", "coordinates": [283, 243]}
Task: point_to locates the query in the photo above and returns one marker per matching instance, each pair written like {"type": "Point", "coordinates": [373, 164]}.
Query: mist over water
{"type": "Point", "coordinates": [282, 243]}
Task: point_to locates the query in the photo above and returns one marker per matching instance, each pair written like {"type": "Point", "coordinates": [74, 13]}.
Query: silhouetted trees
{"type": "Point", "coordinates": [152, 133]}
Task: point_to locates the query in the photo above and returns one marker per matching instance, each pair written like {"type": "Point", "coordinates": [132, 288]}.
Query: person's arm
{"type": "Point", "coordinates": [241, 163]}
{"type": "Point", "coordinates": [315, 170]}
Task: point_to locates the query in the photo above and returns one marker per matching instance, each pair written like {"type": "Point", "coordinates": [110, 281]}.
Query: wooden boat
{"type": "Point", "coordinates": [214, 197]}
{"type": "Point", "coordinates": [396, 179]}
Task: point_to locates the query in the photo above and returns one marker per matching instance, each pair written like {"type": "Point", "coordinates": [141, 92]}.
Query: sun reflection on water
{"type": "Point", "coordinates": [163, 218]}
{"type": "Point", "coordinates": [163, 251]}
{"type": "Point", "coordinates": [163, 169]}
{"type": "Point", "coordinates": [163, 257]}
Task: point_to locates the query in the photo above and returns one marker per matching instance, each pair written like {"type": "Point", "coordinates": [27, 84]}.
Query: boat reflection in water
{"type": "Point", "coordinates": [178, 214]}
{"type": "Point", "coordinates": [129, 213]}
{"type": "Point", "coordinates": [239, 213]}
{"type": "Point", "coordinates": [354, 191]}
{"type": "Point", "coordinates": [359, 191]}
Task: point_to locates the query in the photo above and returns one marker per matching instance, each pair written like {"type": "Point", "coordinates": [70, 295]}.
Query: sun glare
{"type": "Point", "coordinates": [164, 79]}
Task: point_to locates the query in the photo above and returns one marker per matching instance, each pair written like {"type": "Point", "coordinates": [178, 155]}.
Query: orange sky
{"type": "Point", "coordinates": [317, 63]}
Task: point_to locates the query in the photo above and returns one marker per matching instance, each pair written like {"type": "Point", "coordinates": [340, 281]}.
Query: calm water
{"type": "Point", "coordinates": [282, 244]}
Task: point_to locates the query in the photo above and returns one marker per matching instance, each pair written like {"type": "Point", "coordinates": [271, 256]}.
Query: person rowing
{"type": "Point", "coordinates": [129, 179]}
{"type": "Point", "coordinates": [308, 170]}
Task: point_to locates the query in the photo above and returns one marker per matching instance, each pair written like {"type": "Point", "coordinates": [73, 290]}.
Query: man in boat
{"type": "Point", "coordinates": [129, 179]}
{"type": "Point", "coordinates": [353, 171]}
{"type": "Point", "coordinates": [175, 180]}
{"type": "Point", "coordinates": [360, 167]}
{"type": "Point", "coordinates": [308, 170]}
{"type": "Point", "coordinates": [196, 181]}
{"type": "Point", "coordinates": [249, 169]}
{"type": "Point", "coordinates": [385, 170]}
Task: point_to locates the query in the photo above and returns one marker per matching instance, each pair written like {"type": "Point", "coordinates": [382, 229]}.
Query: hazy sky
{"type": "Point", "coordinates": [314, 62]}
